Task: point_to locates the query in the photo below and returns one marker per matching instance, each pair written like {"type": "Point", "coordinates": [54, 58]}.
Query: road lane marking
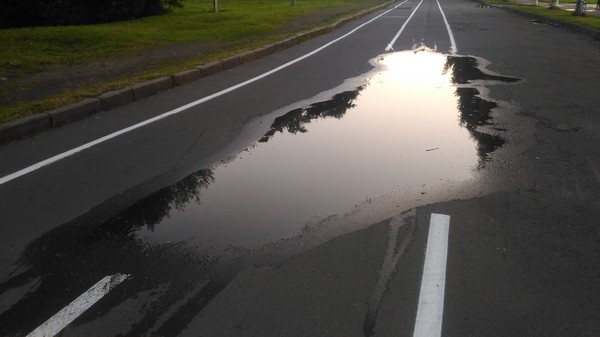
{"type": "Point", "coordinates": [67, 315]}
{"type": "Point", "coordinates": [391, 44]}
{"type": "Point", "coordinates": [431, 299]}
{"type": "Point", "coordinates": [453, 49]}
{"type": "Point", "coordinates": [86, 146]}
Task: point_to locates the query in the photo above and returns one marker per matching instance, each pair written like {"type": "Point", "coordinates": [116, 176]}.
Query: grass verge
{"type": "Point", "coordinates": [239, 25]}
{"type": "Point", "coordinates": [590, 21]}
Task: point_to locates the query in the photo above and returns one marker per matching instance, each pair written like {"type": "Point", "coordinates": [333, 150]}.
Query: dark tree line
{"type": "Point", "coordinates": [474, 110]}
{"type": "Point", "coordinates": [28, 13]}
{"type": "Point", "coordinates": [296, 120]}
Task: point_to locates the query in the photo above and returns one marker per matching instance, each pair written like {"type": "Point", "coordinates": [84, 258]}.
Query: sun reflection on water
{"type": "Point", "coordinates": [407, 123]}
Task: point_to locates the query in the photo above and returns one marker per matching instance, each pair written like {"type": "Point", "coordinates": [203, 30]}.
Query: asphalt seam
{"type": "Point", "coordinates": [44, 121]}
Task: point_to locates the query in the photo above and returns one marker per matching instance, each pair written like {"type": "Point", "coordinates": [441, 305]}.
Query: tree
{"type": "Point", "coordinates": [580, 8]}
{"type": "Point", "coordinates": [27, 13]}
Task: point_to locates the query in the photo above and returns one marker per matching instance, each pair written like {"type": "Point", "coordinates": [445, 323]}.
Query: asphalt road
{"type": "Point", "coordinates": [523, 253]}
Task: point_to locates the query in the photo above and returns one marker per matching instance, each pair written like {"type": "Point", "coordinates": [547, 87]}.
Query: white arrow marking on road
{"type": "Point", "coordinates": [67, 315]}
{"type": "Point", "coordinates": [431, 300]}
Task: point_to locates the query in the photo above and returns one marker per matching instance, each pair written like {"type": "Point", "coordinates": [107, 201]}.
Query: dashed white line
{"type": "Point", "coordinates": [431, 299]}
{"type": "Point", "coordinates": [67, 315]}
{"type": "Point", "coordinates": [78, 149]}
{"type": "Point", "coordinates": [453, 49]}
{"type": "Point", "coordinates": [391, 44]}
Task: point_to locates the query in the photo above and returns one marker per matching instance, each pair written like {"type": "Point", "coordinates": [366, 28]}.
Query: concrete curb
{"type": "Point", "coordinates": [25, 126]}
{"type": "Point", "coordinates": [149, 88]}
{"type": "Point", "coordinates": [577, 28]}
{"type": "Point", "coordinates": [116, 98]}
{"type": "Point", "coordinates": [42, 122]}
{"type": "Point", "coordinates": [74, 112]}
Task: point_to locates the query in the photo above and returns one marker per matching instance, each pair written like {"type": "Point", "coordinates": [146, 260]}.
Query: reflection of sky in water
{"type": "Point", "coordinates": [402, 128]}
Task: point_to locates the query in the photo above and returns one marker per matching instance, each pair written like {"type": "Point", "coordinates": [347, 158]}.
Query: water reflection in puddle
{"type": "Point", "coordinates": [413, 121]}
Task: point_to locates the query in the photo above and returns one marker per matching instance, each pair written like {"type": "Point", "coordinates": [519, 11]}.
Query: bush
{"type": "Point", "coordinates": [27, 13]}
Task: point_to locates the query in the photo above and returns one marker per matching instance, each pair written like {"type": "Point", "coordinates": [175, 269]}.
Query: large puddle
{"type": "Point", "coordinates": [417, 119]}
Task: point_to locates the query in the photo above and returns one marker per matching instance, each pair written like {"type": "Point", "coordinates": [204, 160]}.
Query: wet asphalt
{"type": "Point", "coordinates": [524, 245]}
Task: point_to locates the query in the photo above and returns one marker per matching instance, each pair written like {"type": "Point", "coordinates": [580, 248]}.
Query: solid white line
{"type": "Point", "coordinates": [431, 299]}
{"type": "Point", "coordinates": [78, 149]}
{"type": "Point", "coordinates": [391, 44]}
{"type": "Point", "coordinates": [453, 49]}
{"type": "Point", "coordinates": [67, 315]}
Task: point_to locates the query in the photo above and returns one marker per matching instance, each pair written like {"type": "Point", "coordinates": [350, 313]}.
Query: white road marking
{"type": "Point", "coordinates": [391, 44]}
{"type": "Point", "coordinates": [431, 300]}
{"type": "Point", "coordinates": [453, 49]}
{"type": "Point", "coordinates": [86, 146]}
{"type": "Point", "coordinates": [67, 315]}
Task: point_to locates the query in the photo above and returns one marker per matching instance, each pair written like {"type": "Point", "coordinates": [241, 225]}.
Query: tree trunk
{"type": "Point", "coordinates": [580, 8]}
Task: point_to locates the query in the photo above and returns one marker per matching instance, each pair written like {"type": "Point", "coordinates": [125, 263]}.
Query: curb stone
{"type": "Point", "coordinates": [116, 98]}
{"type": "Point", "coordinates": [186, 76]}
{"type": "Point", "coordinates": [210, 68]}
{"type": "Point", "coordinates": [50, 119]}
{"type": "Point", "coordinates": [247, 57]}
{"type": "Point", "coordinates": [149, 88]}
{"type": "Point", "coordinates": [25, 126]}
{"type": "Point", "coordinates": [231, 62]}
{"type": "Point", "coordinates": [75, 111]}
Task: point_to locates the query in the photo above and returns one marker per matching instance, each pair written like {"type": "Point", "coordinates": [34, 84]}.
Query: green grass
{"type": "Point", "coordinates": [34, 49]}
{"type": "Point", "coordinates": [590, 21]}
{"type": "Point", "coordinates": [240, 24]}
